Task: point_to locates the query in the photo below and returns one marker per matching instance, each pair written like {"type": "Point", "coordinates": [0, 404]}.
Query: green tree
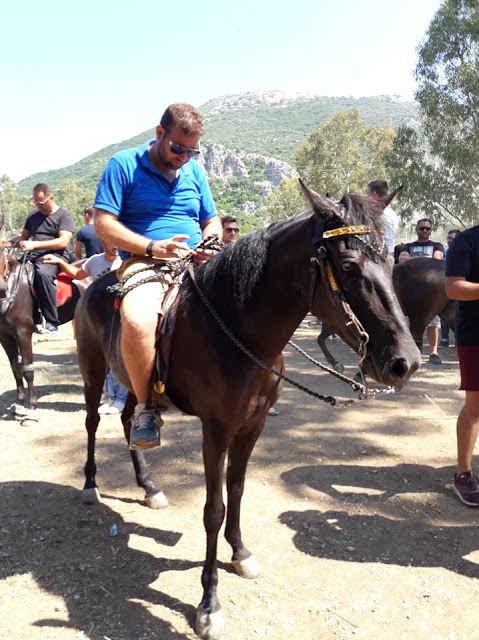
{"type": "Point", "coordinates": [343, 154]}
{"type": "Point", "coordinates": [13, 208]}
{"type": "Point", "coordinates": [74, 198]}
{"type": "Point", "coordinates": [286, 200]}
{"type": "Point", "coordinates": [439, 164]}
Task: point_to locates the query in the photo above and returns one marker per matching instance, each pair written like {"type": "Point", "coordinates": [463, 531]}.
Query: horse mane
{"type": "Point", "coordinates": [232, 274]}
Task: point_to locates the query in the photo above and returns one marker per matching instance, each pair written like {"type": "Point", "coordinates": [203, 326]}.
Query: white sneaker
{"type": "Point", "coordinates": [104, 408]}
{"type": "Point", "coordinates": [117, 406]}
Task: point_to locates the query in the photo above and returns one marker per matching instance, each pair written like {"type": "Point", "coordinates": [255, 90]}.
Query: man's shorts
{"type": "Point", "coordinates": [469, 366]}
{"type": "Point", "coordinates": [435, 322]}
{"type": "Point", "coordinates": [147, 298]}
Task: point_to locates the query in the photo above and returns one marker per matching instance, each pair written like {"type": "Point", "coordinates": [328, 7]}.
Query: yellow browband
{"type": "Point", "coordinates": [348, 231]}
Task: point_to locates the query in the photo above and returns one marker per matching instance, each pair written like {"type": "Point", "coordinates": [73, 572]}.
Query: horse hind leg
{"type": "Point", "coordinates": [93, 390]}
{"type": "Point", "coordinates": [239, 451]}
{"type": "Point", "coordinates": [326, 331]}
{"type": "Point", "coordinates": [154, 497]}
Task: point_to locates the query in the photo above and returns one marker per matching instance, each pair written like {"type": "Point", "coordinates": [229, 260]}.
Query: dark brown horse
{"type": "Point", "coordinates": [419, 286]}
{"type": "Point", "coordinates": [261, 287]}
{"type": "Point", "coordinates": [17, 309]}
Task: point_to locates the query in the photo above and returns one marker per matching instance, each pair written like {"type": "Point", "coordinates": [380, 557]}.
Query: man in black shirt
{"type": "Point", "coordinates": [424, 247]}
{"type": "Point", "coordinates": [48, 229]}
{"type": "Point", "coordinates": [462, 283]}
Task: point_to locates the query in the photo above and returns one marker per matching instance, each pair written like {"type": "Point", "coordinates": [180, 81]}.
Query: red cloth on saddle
{"type": "Point", "coordinates": [64, 289]}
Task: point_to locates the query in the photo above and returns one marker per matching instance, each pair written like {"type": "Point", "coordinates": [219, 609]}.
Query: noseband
{"type": "Point", "coordinates": [322, 265]}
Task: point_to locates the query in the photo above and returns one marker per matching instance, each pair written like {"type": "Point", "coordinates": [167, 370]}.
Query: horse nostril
{"type": "Point", "coordinates": [399, 368]}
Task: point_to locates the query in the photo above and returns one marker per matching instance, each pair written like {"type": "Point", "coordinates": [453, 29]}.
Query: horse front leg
{"type": "Point", "coordinates": [26, 352]}
{"type": "Point", "coordinates": [209, 618]}
{"type": "Point", "coordinates": [93, 391]}
{"type": "Point", "coordinates": [10, 345]}
{"type": "Point", "coordinates": [154, 498]}
{"type": "Point", "coordinates": [239, 452]}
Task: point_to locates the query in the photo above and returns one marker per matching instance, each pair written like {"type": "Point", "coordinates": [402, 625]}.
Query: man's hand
{"type": "Point", "coordinates": [51, 259]}
{"type": "Point", "coordinates": [26, 245]}
{"type": "Point", "coordinates": [171, 248]}
{"type": "Point", "coordinates": [203, 255]}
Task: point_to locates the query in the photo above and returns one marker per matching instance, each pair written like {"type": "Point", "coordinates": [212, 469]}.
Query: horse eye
{"type": "Point", "coordinates": [348, 265]}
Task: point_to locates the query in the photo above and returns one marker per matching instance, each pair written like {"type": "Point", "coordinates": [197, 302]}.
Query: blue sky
{"type": "Point", "coordinates": [77, 77]}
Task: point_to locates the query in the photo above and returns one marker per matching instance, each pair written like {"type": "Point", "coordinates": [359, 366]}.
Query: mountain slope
{"type": "Point", "coordinates": [268, 123]}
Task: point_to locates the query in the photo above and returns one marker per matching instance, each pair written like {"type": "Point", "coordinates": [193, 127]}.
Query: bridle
{"type": "Point", "coordinates": [322, 266]}
{"type": "Point", "coordinates": [7, 302]}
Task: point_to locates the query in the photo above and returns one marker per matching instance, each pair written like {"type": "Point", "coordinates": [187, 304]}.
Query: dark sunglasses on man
{"type": "Point", "coordinates": [178, 149]}
{"type": "Point", "coordinates": [424, 228]}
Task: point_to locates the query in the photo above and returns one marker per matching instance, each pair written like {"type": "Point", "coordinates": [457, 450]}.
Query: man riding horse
{"type": "Point", "coordinates": [48, 229]}
{"type": "Point", "coordinates": [154, 205]}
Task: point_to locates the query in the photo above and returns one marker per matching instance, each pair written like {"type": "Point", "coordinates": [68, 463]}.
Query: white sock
{"type": "Point", "coordinates": [139, 407]}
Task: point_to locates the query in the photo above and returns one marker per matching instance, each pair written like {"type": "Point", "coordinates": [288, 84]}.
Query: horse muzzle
{"type": "Point", "coordinates": [396, 370]}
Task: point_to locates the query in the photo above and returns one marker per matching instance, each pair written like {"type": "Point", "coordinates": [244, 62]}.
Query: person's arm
{"type": "Point", "coordinates": [403, 257]}
{"type": "Point", "coordinates": [71, 270]}
{"type": "Point", "coordinates": [439, 255]}
{"type": "Point", "coordinates": [55, 244]}
{"type": "Point", "coordinates": [110, 229]}
{"type": "Point", "coordinates": [77, 250]}
{"type": "Point", "coordinates": [211, 226]}
{"type": "Point", "coordinates": [461, 289]}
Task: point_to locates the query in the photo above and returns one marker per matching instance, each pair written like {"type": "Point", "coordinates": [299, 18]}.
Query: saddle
{"type": "Point", "coordinates": [164, 340]}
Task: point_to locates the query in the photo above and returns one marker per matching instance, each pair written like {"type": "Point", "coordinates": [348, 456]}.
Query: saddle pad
{"type": "Point", "coordinates": [64, 289]}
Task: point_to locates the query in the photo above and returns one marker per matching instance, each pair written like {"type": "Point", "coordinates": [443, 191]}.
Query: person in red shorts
{"type": "Point", "coordinates": [462, 284]}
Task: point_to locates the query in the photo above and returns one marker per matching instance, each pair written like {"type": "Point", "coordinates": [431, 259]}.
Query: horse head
{"type": "Point", "coordinates": [353, 290]}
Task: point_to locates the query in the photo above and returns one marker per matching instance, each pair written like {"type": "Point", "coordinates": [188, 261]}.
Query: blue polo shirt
{"type": "Point", "coordinates": [146, 202]}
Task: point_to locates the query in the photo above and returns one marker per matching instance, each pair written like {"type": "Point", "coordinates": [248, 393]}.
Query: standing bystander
{"type": "Point", "coordinates": [444, 341]}
{"type": "Point", "coordinates": [86, 237]}
{"type": "Point", "coordinates": [462, 284]}
{"type": "Point", "coordinates": [94, 267]}
{"type": "Point", "coordinates": [230, 229]}
{"type": "Point", "coordinates": [424, 247]}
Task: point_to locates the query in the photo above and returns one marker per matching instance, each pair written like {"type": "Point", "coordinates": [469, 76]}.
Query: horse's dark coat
{"type": "Point", "coordinates": [17, 308]}
{"type": "Point", "coordinates": [261, 288]}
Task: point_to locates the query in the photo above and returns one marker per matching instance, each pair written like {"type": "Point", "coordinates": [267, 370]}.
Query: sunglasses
{"type": "Point", "coordinates": [231, 230]}
{"type": "Point", "coordinates": [424, 228]}
{"type": "Point", "coordinates": [178, 149]}
{"type": "Point", "coordinates": [40, 204]}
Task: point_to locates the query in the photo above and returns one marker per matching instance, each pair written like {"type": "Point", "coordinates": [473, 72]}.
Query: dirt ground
{"type": "Point", "coordinates": [348, 510]}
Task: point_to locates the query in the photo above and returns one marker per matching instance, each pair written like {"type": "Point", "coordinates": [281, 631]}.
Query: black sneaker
{"type": "Point", "coordinates": [443, 344]}
{"type": "Point", "coordinates": [435, 359]}
{"type": "Point", "coordinates": [145, 429]}
{"type": "Point", "coordinates": [466, 489]}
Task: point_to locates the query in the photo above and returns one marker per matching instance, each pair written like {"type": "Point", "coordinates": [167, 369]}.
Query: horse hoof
{"type": "Point", "coordinates": [157, 501]}
{"type": "Point", "coordinates": [90, 496]}
{"type": "Point", "coordinates": [209, 626]}
{"type": "Point", "coordinates": [248, 568]}
{"type": "Point", "coordinates": [339, 367]}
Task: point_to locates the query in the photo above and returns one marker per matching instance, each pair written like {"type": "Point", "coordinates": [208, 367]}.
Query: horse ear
{"type": "Point", "coordinates": [319, 203]}
{"type": "Point", "coordinates": [390, 196]}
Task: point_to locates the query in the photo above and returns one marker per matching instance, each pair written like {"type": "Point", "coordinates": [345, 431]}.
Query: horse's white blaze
{"type": "Point", "coordinates": [90, 496]}
{"type": "Point", "coordinates": [248, 568]}
{"type": "Point", "coordinates": [209, 626]}
{"type": "Point", "coordinates": [157, 501]}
